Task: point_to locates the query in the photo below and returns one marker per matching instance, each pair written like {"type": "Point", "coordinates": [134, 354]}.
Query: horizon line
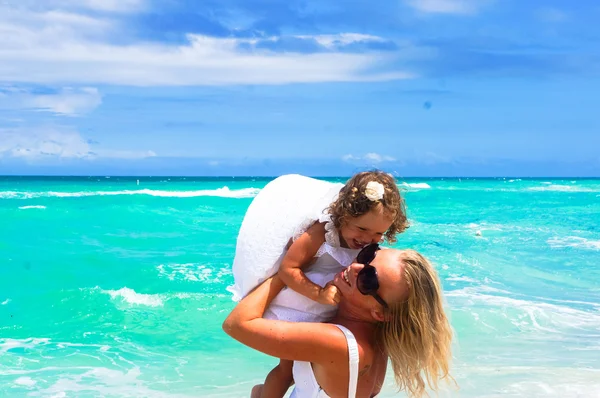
{"type": "Point", "coordinates": [275, 176]}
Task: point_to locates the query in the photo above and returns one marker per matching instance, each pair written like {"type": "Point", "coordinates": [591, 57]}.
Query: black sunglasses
{"type": "Point", "coordinates": [367, 281]}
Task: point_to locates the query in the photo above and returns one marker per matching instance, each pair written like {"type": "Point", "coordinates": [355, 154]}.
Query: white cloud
{"type": "Point", "coordinates": [29, 30]}
{"type": "Point", "coordinates": [42, 143]}
{"type": "Point", "coordinates": [66, 48]}
{"type": "Point", "coordinates": [52, 143]}
{"type": "Point", "coordinates": [68, 101]}
{"type": "Point", "coordinates": [123, 154]}
{"type": "Point", "coordinates": [342, 39]}
{"type": "Point", "coordinates": [377, 158]}
{"type": "Point", "coordinates": [370, 157]}
{"type": "Point", "coordinates": [108, 5]}
{"type": "Point", "coordinates": [447, 6]}
{"type": "Point", "coordinates": [116, 6]}
{"type": "Point", "coordinates": [55, 18]}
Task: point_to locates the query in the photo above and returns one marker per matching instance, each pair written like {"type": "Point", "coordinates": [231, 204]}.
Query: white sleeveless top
{"type": "Point", "coordinates": [284, 209]}
{"type": "Point", "coordinates": [292, 306]}
{"type": "Point", "coordinates": [306, 385]}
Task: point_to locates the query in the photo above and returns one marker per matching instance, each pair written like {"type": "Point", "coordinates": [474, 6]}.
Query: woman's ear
{"type": "Point", "coordinates": [378, 315]}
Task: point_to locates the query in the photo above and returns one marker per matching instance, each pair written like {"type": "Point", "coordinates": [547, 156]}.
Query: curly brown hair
{"type": "Point", "coordinates": [352, 202]}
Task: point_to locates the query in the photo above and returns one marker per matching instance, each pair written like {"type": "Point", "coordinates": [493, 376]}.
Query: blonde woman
{"type": "Point", "coordinates": [390, 308]}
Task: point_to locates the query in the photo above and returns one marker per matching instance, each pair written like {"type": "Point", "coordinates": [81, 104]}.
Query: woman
{"type": "Point", "coordinates": [390, 308]}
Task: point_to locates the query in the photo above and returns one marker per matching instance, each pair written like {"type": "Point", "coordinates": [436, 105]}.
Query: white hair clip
{"type": "Point", "coordinates": [374, 191]}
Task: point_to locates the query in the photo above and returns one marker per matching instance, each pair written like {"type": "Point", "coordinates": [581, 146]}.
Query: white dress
{"type": "Point", "coordinates": [284, 209]}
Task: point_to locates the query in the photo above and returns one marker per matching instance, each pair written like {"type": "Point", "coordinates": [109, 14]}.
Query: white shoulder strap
{"type": "Point", "coordinates": [352, 361]}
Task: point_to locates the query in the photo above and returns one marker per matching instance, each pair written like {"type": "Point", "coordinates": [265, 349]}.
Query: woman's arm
{"type": "Point", "coordinates": [300, 253]}
{"type": "Point", "coordinates": [297, 341]}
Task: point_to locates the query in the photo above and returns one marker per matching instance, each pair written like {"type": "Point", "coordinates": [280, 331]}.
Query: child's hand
{"type": "Point", "coordinates": [329, 295]}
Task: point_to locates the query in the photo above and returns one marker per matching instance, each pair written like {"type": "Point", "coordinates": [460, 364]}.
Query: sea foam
{"type": "Point", "coordinates": [575, 242]}
{"type": "Point", "coordinates": [193, 272]}
{"type": "Point", "coordinates": [25, 381]}
{"type": "Point", "coordinates": [528, 314]}
{"type": "Point", "coordinates": [562, 188]}
{"type": "Point", "coordinates": [416, 185]}
{"type": "Point", "coordinates": [223, 192]}
{"type": "Point", "coordinates": [130, 296]}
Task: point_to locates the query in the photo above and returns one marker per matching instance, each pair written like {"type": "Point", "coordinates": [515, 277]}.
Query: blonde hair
{"type": "Point", "coordinates": [417, 336]}
{"type": "Point", "coordinates": [353, 202]}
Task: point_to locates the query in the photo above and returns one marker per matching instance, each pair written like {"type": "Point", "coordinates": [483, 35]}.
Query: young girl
{"type": "Point", "coordinates": [309, 230]}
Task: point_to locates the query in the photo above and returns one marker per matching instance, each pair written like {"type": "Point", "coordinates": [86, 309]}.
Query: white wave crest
{"type": "Point", "coordinates": [130, 296]}
{"type": "Point", "coordinates": [9, 344]}
{"type": "Point", "coordinates": [458, 278]}
{"type": "Point", "coordinates": [552, 387]}
{"type": "Point", "coordinates": [574, 241]}
{"type": "Point", "coordinates": [103, 382]}
{"type": "Point", "coordinates": [416, 185]}
{"type": "Point", "coordinates": [32, 207]}
{"type": "Point", "coordinates": [223, 192]}
{"type": "Point", "coordinates": [534, 315]}
{"type": "Point", "coordinates": [25, 381]}
{"type": "Point", "coordinates": [562, 188]}
{"type": "Point", "coordinates": [484, 226]}
{"type": "Point", "coordinates": [514, 379]}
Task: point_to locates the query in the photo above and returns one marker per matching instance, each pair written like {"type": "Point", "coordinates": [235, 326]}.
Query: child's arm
{"type": "Point", "coordinates": [300, 253]}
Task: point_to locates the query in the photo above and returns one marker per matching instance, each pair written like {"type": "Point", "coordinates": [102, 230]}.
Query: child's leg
{"type": "Point", "coordinates": [279, 380]}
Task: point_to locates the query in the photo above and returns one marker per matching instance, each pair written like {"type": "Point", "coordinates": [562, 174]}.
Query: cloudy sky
{"type": "Point", "coordinates": [322, 87]}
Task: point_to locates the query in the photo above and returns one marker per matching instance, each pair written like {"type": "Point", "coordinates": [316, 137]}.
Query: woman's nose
{"type": "Point", "coordinates": [355, 267]}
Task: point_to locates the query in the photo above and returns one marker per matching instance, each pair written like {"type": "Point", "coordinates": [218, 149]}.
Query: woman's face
{"type": "Point", "coordinates": [390, 274]}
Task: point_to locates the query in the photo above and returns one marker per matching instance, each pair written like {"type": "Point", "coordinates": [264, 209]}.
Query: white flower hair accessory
{"type": "Point", "coordinates": [374, 191]}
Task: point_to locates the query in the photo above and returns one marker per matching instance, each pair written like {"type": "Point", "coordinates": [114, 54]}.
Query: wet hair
{"type": "Point", "coordinates": [353, 202]}
{"type": "Point", "coordinates": [417, 336]}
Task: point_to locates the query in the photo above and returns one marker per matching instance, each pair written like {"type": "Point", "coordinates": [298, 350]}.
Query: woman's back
{"type": "Point", "coordinates": [361, 375]}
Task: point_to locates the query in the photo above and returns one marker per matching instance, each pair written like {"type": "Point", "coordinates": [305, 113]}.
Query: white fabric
{"type": "Point", "coordinates": [289, 305]}
{"type": "Point", "coordinates": [331, 234]}
{"type": "Point", "coordinates": [305, 383]}
{"type": "Point", "coordinates": [284, 209]}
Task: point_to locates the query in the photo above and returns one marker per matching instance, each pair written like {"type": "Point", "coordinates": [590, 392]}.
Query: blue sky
{"type": "Point", "coordinates": [265, 87]}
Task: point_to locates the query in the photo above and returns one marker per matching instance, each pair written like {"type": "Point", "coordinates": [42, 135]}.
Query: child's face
{"type": "Point", "coordinates": [357, 232]}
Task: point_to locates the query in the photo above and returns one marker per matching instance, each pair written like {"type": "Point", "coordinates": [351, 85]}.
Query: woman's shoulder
{"type": "Point", "coordinates": [356, 347]}
{"type": "Point", "coordinates": [362, 341]}
{"type": "Point", "coordinates": [366, 351]}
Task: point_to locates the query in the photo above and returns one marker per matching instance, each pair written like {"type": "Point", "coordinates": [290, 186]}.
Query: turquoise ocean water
{"type": "Point", "coordinates": [116, 286]}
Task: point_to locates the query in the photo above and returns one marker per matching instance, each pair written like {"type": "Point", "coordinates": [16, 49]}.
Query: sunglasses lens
{"type": "Point", "coordinates": [367, 280]}
{"type": "Point", "coordinates": [367, 254]}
